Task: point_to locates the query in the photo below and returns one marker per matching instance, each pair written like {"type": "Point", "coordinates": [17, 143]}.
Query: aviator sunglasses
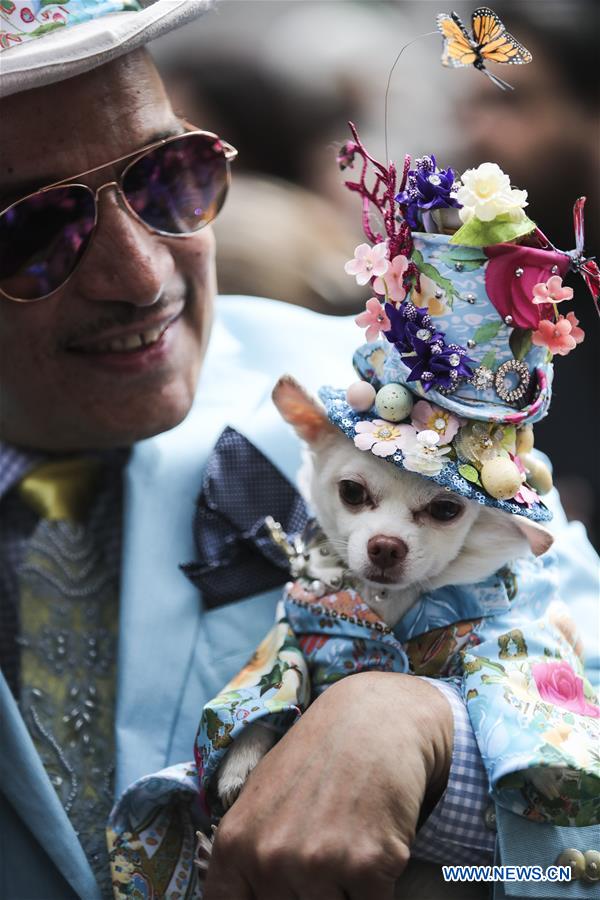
{"type": "Point", "coordinates": [174, 187]}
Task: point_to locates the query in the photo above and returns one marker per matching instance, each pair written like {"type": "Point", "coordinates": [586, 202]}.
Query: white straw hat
{"type": "Point", "coordinates": [42, 42]}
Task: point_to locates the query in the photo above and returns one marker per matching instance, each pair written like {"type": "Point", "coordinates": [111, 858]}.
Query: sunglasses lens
{"type": "Point", "coordinates": [179, 187]}
{"type": "Point", "coordinates": [41, 240]}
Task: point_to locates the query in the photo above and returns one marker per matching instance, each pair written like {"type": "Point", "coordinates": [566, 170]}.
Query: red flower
{"type": "Point", "coordinates": [511, 275]}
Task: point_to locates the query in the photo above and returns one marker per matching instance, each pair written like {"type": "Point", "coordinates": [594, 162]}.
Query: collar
{"type": "Point", "coordinates": [321, 578]}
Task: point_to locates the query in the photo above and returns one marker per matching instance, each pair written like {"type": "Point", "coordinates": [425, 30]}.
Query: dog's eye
{"type": "Point", "coordinates": [353, 493]}
{"type": "Point", "coordinates": [444, 510]}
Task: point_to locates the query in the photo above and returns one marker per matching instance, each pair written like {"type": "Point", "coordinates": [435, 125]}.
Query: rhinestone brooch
{"type": "Point", "coordinates": [482, 379]}
{"type": "Point", "coordinates": [509, 393]}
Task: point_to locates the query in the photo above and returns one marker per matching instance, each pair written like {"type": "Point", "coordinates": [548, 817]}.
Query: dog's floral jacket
{"type": "Point", "coordinates": [508, 641]}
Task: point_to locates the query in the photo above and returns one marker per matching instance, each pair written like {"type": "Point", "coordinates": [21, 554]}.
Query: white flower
{"type": "Point", "coordinates": [422, 454]}
{"type": "Point", "coordinates": [486, 193]}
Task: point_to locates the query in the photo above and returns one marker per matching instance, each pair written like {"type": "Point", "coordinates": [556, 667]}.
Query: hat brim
{"type": "Point", "coordinates": [341, 414]}
{"type": "Point", "coordinates": [66, 52]}
{"type": "Point", "coordinates": [378, 363]}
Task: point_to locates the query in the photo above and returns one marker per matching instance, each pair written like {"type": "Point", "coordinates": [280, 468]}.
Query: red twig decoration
{"type": "Point", "coordinates": [381, 197]}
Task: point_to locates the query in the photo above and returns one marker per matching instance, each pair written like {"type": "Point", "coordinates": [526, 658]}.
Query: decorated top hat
{"type": "Point", "coordinates": [462, 328]}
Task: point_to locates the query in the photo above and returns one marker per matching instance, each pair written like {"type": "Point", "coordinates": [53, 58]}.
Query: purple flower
{"type": "Point", "coordinates": [427, 187]}
{"type": "Point", "coordinates": [432, 362]}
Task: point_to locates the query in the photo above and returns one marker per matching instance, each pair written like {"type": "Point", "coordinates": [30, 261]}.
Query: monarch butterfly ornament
{"type": "Point", "coordinates": [489, 41]}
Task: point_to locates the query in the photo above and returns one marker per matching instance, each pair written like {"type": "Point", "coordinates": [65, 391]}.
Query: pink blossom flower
{"type": "Point", "coordinates": [556, 336]}
{"type": "Point", "coordinates": [427, 417]}
{"type": "Point", "coordinates": [368, 261]}
{"type": "Point", "coordinates": [382, 438]}
{"type": "Point", "coordinates": [577, 333]}
{"type": "Point", "coordinates": [374, 319]}
{"type": "Point", "coordinates": [557, 683]}
{"type": "Point", "coordinates": [525, 494]}
{"type": "Point", "coordinates": [551, 291]}
{"type": "Point", "coordinates": [393, 280]}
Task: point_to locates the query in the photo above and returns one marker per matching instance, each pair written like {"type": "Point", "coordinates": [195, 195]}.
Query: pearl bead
{"type": "Point", "coordinates": [438, 294]}
{"type": "Point", "coordinates": [459, 266]}
{"type": "Point", "coordinates": [394, 402]}
{"type": "Point", "coordinates": [501, 478]}
{"type": "Point", "coordinates": [518, 272]}
{"type": "Point", "coordinates": [554, 270]}
{"type": "Point", "coordinates": [470, 298]}
{"type": "Point", "coordinates": [360, 396]}
{"type": "Point", "coordinates": [508, 320]}
{"type": "Point", "coordinates": [470, 343]}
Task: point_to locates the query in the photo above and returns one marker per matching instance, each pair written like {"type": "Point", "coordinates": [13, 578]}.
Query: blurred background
{"type": "Point", "coordinates": [281, 78]}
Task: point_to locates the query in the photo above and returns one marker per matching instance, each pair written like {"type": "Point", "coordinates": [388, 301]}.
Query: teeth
{"type": "Point", "coordinates": [130, 342]}
{"type": "Point", "coordinates": [150, 337]}
{"type": "Point", "coordinates": [133, 341]}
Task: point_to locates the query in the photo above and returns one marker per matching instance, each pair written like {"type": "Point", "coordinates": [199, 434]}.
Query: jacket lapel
{"type": "Point", "coordinates": [24, 783]}
{"type": "Point", "coordinates": [161, 609]}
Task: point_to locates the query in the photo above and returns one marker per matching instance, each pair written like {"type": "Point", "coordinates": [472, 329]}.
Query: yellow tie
{"type": "Point", "coordinates": [68, 627]}
{"type": "Point", "coordinates": [61, 490]}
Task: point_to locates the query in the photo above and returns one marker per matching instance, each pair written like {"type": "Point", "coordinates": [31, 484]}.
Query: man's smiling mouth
{"type": "Point", "coordinates": [125, 339]}
{"type": "Point", "coordinates": [126, 343]}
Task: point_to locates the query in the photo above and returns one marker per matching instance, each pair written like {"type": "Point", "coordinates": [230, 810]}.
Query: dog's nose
{"type": "Point", "coordinates": [386, 552]}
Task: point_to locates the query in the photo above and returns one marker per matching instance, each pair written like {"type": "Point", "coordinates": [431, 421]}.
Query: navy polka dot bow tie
{"type": "Point", "coordinates": [236, 556]}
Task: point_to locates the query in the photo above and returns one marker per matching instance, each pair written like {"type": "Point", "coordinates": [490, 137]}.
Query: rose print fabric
{"type": "Point", "coordinates": [510, 643]}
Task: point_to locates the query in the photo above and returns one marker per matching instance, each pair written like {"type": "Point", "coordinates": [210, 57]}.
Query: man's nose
{"type": "Point", "coordinates": [124, 261]}
{"type": "Point", "coordinates": [386, 552]}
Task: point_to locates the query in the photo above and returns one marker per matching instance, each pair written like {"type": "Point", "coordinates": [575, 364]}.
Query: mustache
{"type": "Point", "coordinates": [123, 314]}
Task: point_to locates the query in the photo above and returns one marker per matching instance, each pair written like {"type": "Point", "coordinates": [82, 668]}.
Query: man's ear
{"type": "Point", "coordinates": [538, 537]}
{"type": "Point", "coordinates": [302, 411]}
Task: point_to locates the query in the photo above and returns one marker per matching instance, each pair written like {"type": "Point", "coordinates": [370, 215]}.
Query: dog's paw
{"type": "Point", "coordinates": [203, 852]}
{"type": "Point", "coordinates": [247, 751]}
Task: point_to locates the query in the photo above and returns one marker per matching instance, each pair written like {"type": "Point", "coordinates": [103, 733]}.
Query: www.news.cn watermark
{"type": "Point", "coordinates": [507, 873]}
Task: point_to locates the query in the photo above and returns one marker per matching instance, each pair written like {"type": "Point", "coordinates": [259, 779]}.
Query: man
{"type": "Point", "coordinates": [106, 353]}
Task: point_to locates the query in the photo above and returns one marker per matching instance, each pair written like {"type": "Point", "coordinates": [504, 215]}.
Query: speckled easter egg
{"type": "Point", "coordinates": [524, 439]}
{"type": "Point", "coordinates": [501, 478]}
{"type": "Point", "coordinates": [394, 402]}
{"type": "Point", "coordinates": [539, 475]}
{"type": "Point", "coordinates": [360, 396]}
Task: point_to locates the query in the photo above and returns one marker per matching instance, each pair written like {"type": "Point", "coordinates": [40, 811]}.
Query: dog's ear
{"type": "Point", "coordinates": [538, 537]}
{"type": "Point", "coordinates": [302, 411]}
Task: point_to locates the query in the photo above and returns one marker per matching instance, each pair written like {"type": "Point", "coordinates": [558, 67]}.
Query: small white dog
{"type": "Point", "coordinates": [399, 533]}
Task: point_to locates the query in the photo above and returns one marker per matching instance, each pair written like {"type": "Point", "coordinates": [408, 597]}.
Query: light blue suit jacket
{"type": "Point", "coordinates": [174, 656]}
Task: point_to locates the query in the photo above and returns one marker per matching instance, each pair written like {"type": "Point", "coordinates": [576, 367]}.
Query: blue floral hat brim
{"type": "Point", "coordinates": [341, 414]}
{"type": "Point", "coordinates": [378, 363]}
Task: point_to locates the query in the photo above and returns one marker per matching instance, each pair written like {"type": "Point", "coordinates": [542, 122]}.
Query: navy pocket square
{"type": "Point", "coordinates": [236, 555]}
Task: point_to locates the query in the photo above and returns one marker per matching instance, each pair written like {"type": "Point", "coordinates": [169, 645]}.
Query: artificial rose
{"type": "Point", "coordinates": [512, 293]}
{"type": "Point", "coordinates": [486, 193]}
{"type": "Point", "coordinates": [557, 683]}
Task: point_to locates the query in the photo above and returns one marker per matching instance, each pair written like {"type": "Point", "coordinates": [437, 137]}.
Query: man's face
{"type": "Point", "coordinates": [67, 380]}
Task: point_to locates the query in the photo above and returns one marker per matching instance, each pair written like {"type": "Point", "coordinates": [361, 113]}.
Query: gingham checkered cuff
{"type": "Point", "coordinates": [457, 831]}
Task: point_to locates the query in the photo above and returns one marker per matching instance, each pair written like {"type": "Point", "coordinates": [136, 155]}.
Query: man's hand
{"type": "Point", "coordinates": [331, 811]}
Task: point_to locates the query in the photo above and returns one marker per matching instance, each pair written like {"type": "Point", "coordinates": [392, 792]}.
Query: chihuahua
{"type": "Point", "coordinates": [398, 533]}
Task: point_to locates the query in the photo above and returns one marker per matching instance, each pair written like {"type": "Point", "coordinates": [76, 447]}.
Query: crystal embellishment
{"type": "Point", "coordinates": [506, 392]}
{"type": "Point", "coordinates": [482, 379]}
